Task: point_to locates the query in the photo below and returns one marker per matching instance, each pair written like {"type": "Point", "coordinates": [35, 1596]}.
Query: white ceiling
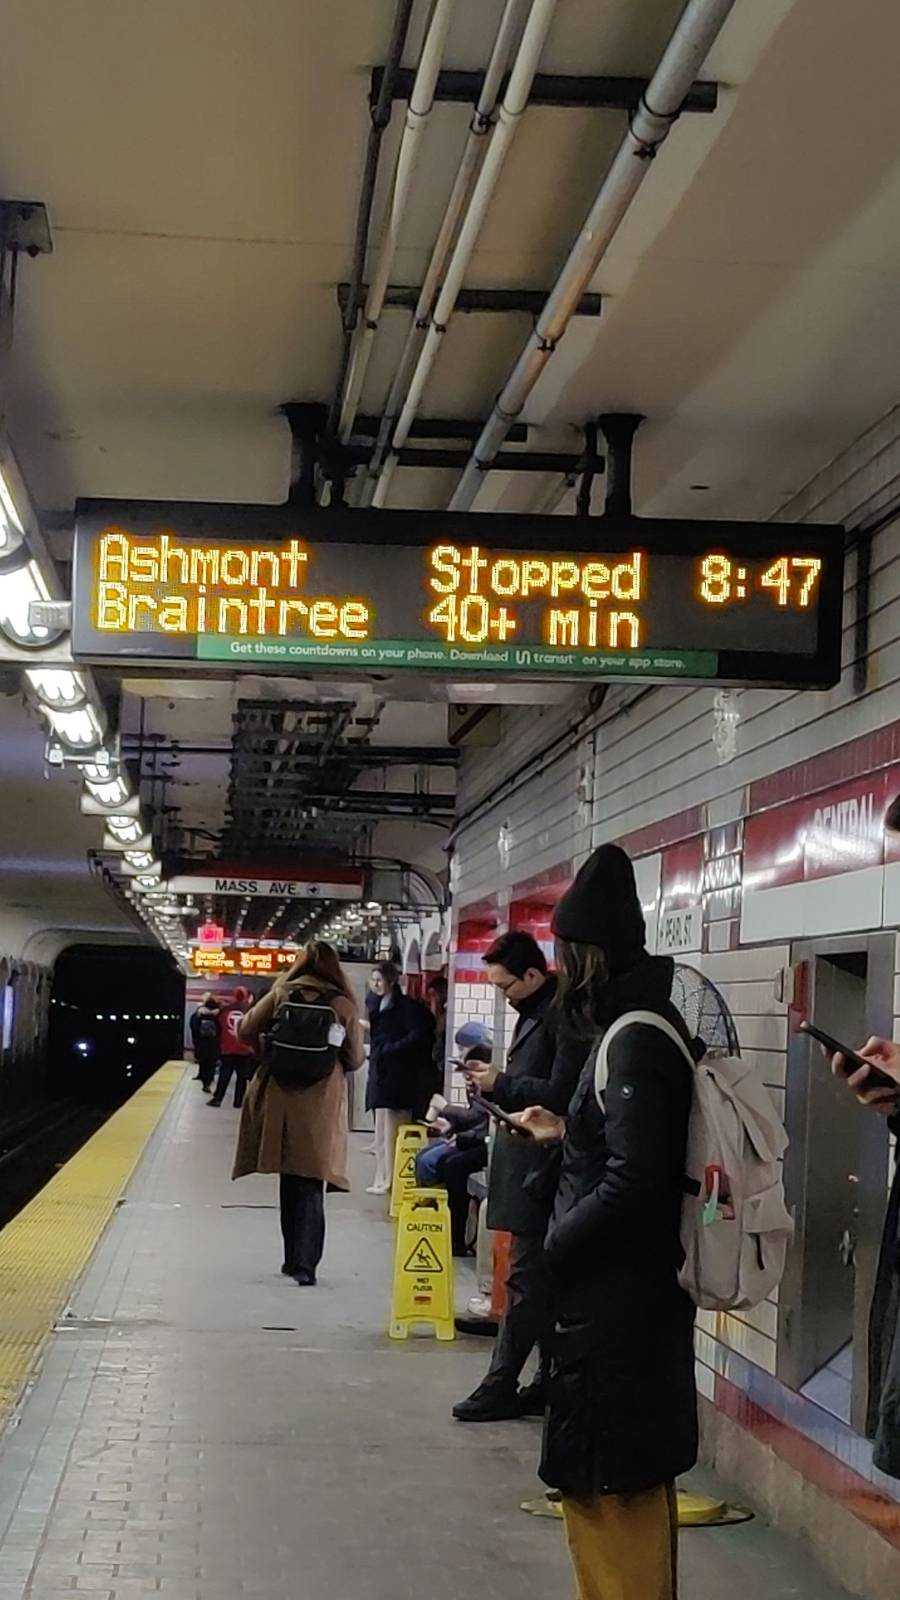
{"type": "Point", "coordinates": [202, 165]}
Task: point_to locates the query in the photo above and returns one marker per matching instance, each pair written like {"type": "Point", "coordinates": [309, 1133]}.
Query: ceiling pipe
{"type": "Point", "coordinates": [696, 32]}
{"type": "Point", "coordinates": [479, 129]}
{"type": "Point", "coordinates": [380, 110]}
{"type": "Point", "coordinates": [509, 116]}
{"type": "Point", "coordinates": [417, 114]}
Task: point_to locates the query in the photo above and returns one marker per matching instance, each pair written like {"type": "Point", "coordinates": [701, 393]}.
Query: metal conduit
{"type": "Point", "coordinates": [696, 32]}
{"type": "Point", "coordinates": [479, 129]}
{"type": "Point", "coordinates": [418, 112]}
{"type": "Point", "coordinates": [513, 105]}
{"type": "Point", "coordinates": [380, 118]}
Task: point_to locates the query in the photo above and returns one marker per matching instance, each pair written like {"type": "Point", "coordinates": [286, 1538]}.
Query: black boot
{"type": "Point", "coordinates": [533, 1399]}
{"type": "Point", "coordinates": [481, 1327]}
{"type": "Point", "coordinates": [491, 1402]}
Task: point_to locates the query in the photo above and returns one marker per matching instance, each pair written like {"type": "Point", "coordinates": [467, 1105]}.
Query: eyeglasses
{"type": "Point", "coordinates": [507, 988]}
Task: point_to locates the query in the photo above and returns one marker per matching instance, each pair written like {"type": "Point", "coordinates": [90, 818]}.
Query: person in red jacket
{"type": "Point", "coordinates": [238, 1058]}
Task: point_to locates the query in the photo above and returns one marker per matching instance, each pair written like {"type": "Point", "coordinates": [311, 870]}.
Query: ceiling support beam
{"type": "Point", "coordinates": [506, 461]}
{"type": "Point", "coordinates": [607, 93]}
{"type": "Point", "coordinates": [403, 297]}
{"type": "Point", "coordinates": [366, 427]}
{"type": "Point", "coordinates": [618, 429]}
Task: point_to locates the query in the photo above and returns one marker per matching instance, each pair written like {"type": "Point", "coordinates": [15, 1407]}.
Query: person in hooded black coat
{"type": "Point", "coordinates": [401, 1065]}
{"type": "Point", "coordinates": [883, 1417]}
{"type": "Point", "coordinates": [622, 1416]}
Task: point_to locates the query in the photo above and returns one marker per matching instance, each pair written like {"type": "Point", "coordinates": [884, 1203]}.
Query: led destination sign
{"type": "Point", "coordinates": [478, 595]}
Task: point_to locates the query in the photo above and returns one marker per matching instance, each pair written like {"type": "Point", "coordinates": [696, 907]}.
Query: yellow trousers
{"type": "Point", "coordinates": [625, 1546]}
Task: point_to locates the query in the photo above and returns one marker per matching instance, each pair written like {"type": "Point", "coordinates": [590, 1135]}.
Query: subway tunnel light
{"type": "Point", "coordinates": [57, 687]}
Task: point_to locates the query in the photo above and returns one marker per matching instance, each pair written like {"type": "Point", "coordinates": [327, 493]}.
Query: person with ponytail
{"type": "Point", "coordinates": [300, 1130]}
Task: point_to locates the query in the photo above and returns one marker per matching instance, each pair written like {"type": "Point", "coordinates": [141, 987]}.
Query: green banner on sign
{"type": "Point", "coordinates": [425, 656]}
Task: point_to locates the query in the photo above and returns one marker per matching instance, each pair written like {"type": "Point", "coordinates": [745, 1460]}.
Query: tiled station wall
{"type": "Point", "coordinates": [647, 756]}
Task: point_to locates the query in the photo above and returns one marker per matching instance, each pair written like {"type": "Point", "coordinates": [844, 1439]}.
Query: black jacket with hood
{"type": "Point", "coordinates": [543, 1065]}
{"type": "Point", "coordinates": [623, 1407]}
{"type": "Point", "coordinates": [884, 1338]}
{"type": "Point", "coordinates": [622, 1412]}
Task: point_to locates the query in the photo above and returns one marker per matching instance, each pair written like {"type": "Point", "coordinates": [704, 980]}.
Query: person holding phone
{"type": "Point", "coordinates": [542, 1067]}
{"type": "Point", "coordinates": [622, 1417]}
{"type": "Point", "coordinates": [881, 1058]}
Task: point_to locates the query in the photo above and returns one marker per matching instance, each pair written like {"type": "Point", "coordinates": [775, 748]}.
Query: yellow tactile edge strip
{"type": "Point", "coordinates": [45, 1249]}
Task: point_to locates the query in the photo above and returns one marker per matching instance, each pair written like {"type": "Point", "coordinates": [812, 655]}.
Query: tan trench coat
{"type": "Point", "coordinates": [303, 1131]}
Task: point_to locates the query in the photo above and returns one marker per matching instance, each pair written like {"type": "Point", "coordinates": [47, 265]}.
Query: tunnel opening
{"type": "Point", "coordinates": [115, 1017]}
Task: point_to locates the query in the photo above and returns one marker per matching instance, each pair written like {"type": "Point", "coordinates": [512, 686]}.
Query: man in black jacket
{"type": "Point", "coordinates": [543, 1066]}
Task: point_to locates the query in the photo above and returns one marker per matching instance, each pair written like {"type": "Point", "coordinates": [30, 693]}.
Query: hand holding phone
{"type": "Point", "coordinates": [501, 1116]}
{"type": "Point", "coordinates": [852, 1062]}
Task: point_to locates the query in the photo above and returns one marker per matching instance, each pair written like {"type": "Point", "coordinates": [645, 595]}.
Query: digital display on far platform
{"type": "Point", "coordinates": [529, 597]}
{"type": "Point", "coordinates": [247, 962]}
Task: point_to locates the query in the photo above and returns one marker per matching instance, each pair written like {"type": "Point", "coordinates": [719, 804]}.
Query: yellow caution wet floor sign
{"type": "Point", "coordinates": [410, 1139]}
{"type": "Point", "coordinates": [423, 1265]}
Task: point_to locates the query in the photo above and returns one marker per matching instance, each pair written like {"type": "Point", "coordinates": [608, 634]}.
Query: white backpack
{"type": "Point", "coordinates": [734, 1252]}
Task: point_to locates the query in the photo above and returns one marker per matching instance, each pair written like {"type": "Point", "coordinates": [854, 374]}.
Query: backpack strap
{"type": "Point", "coordinates": [649, 1018]}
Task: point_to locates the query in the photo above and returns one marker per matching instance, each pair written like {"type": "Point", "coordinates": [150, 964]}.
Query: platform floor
{"type": "Point", "coordinates": [201, 1429]}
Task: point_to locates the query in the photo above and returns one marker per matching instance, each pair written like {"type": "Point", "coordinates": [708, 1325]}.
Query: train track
{"type": "Point", "coordinates": [33, 1149]}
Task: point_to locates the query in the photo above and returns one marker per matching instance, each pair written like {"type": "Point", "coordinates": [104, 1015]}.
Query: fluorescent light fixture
{"type": "Point", "coordinates": [123, 805]}
{"type": "Point", "coordinates": [79, 729]}
{"type": "Point", "coordinates": [127, 830]}
{"type": "Point", "coordinates": [17, 590]}
{"type": "Point", "coordinates": [57, 687]}
{"type": "Point", "coordinates": [139, 861]}
{"type": "Point", "coordinates": [112, 791]}
{"type": "Point", "coordinates": [8, 513]}
{"type": "Point", "coordinates": [100, 770]}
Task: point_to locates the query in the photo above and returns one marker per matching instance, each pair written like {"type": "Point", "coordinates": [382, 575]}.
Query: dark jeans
{"type": "Point", "coordinates": [243, 1067]}
{"type": "Point", "coordinates": [302, 1221]}
{"type": "Point", "coordinates": [451, 1169]}
{"type": "Point", "coordinates": [207, 1061]}
{"type": "Point", "coordinates": [528, 1320]}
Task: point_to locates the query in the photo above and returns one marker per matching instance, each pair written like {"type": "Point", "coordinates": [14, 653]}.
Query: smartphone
{"type": "Point", "coordinates": [500, 1116]}
{"type": "Point", "coordinates": [852, 1062]}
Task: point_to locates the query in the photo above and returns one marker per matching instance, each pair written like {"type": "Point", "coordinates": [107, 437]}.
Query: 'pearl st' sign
{"type": "Point", "coordinates": [435, 593]}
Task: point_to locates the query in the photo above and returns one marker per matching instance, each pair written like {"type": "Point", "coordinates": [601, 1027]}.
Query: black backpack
{"type": "Point", "coordinates": [300, 1047]}
{"type": "Point", "coordinates": [208, 1028]}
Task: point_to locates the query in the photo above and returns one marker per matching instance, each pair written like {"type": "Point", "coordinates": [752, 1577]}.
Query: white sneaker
{"type": "Point", "coordinates": [378, 1188]}
{"type": "Point", "coordinates": [479, 1306]}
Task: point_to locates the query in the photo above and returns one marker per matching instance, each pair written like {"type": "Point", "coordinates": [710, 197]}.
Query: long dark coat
{"type": "Point", "coordinates": [623, 1411]}
{"type": "Point", "coordinates": [401, 1054]}
{"type": "Point", "coordinates": [543, 1065]}
{"type": "Point", "coordinates": [300, 1131]}
{"type": "Point", "coordinates": [884, 1339]}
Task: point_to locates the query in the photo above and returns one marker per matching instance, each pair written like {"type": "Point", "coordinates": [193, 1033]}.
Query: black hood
{"type": "Point", "coordinates": [602, 907]}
